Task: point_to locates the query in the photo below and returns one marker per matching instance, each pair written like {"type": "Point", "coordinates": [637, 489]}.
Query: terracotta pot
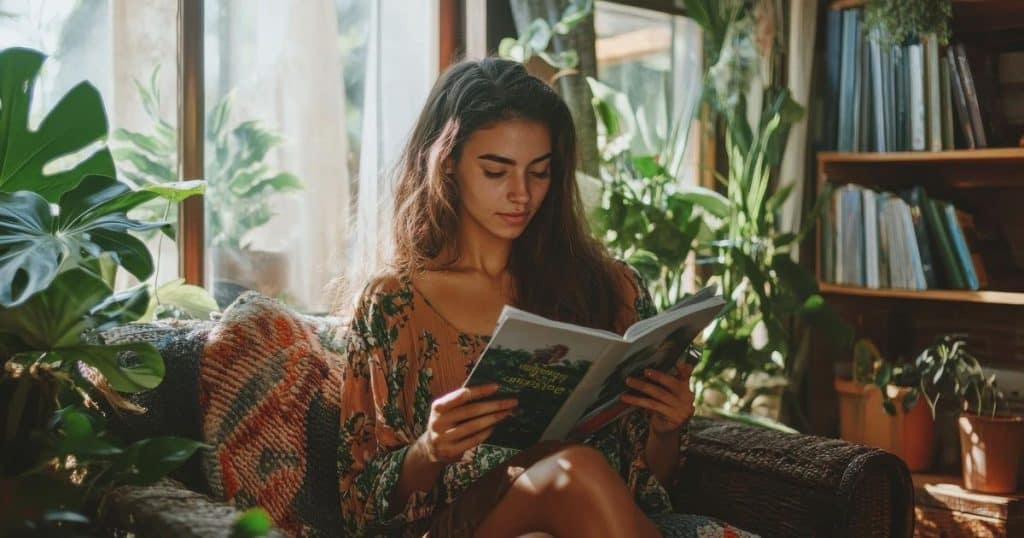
{"type": "Point", "coordinates": [862, 419]}
{"type": "Point", "coordinates": [991, 449]}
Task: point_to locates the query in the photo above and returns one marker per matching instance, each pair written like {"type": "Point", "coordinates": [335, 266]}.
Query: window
{"type": "Point", "coordinates": [307, 103]}
{"type": "Point", "coordinates": [655, 59]}
{"type": "Point", "coordinates": [81, 38]}
{"type": "Point", "coordinates": [299, 142]}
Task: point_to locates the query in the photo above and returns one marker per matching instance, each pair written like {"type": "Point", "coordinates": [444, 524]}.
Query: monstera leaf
{"type": "Point", "coordinates": [91, 220]}
{"type": "Point", "coordinates": [76, 121]}
{"type": "Point", "coordinates": [52, 321]}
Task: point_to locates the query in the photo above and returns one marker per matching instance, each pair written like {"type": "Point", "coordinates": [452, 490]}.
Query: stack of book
{"type": "Point", "coordinates": [909, 241]}
{"type": "Point", "coordinates": [904, 97]}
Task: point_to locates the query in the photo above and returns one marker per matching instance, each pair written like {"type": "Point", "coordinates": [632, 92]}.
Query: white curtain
{"type": "Point", "coordinates": [284, 69]}
{"type": "Point", "coordinates": [803, 15]}
{"type": "Point", "coordinates": [402, 65]}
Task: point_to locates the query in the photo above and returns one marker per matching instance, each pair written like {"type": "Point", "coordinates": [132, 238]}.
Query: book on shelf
{"type": "Point", "coordinates": [914, 96]}
{"type": "Point", "coordinates": [570, 379]}
{"type": "Point", "coordinates": [908, 241]}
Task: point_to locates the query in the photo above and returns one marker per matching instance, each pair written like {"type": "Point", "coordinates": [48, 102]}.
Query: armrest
{"type": "Point", "coordinates": [779, 484]}
{"type": "Point", "coordinates": [165, 509]}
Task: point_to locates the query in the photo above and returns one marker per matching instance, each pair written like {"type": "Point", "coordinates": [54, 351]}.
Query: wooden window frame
{"type": "Point", "coordinates": [191, 127]}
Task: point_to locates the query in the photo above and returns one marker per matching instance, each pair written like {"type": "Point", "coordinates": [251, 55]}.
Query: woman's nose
{"type": "Point", "coordinates": [518, 188]}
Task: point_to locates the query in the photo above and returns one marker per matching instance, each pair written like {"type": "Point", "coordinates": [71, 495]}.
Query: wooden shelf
{"type": "Point", "coordinates": [956, 169]}
{"type": "Point", "coordinates": [987, 297]}
{"type": "Point", "coordinates": [988, 155]}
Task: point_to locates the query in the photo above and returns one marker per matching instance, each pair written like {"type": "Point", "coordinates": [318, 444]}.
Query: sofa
{"type": "Point", "coordinates": [765, 481]}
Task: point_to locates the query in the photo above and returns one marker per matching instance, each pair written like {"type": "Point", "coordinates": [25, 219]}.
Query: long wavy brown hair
{"type": "Point", "coordinates": [559, 269]}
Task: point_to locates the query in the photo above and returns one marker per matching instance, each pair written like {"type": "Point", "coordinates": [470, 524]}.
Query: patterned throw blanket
{"type": "Point", "coordinates": [268, 395]}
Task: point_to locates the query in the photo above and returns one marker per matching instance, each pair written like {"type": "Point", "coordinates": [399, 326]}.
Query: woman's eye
{"type": "Point", "coordinates": [490, 174]}
{"type": "Point", "coordinates": [541, 175]}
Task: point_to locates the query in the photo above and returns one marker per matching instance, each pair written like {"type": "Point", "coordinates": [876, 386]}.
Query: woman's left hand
{"type": "Point", "coordinates": [667, 397]}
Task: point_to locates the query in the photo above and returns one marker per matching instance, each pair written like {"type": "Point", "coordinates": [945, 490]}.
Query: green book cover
{"type": "Point", "coordinates": [568, 378]}
{"type": "Point", "coordinates": [954, 276]}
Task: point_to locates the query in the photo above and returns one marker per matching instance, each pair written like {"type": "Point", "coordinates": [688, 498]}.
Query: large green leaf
{"type": "Point", "coordinates": [195, 301]}
{"type": "Point", "coordinates": [709, 200]}
{"type": "Point", "coordinates": [127, 367]}
{"type": "Point", "coordinates": [93, 220]}
{"type": "Point", "coordinates": [148, 460]}
{"type": "Point", "coordinates": [56, 316]}
{"type": "Point", "coordinates": [75, 122]}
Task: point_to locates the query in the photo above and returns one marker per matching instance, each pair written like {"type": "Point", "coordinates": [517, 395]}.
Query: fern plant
{"type": "Point", "coordinates": [240, 185]}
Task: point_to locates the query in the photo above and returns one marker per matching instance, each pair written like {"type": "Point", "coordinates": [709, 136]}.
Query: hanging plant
{"type": "Point", "coordinates": [900, 21]}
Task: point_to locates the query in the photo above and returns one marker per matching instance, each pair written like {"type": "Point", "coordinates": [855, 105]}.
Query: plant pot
{"type": "Point", "coordinates": [910, 435]}
{"type": "Point", "coordinates": [237, 270]}
{"type": "Point", "coordinates": [991, 449]}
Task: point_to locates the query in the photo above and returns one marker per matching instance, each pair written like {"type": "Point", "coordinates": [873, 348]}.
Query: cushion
{"type": "Point", "coordinates": [269, 383]}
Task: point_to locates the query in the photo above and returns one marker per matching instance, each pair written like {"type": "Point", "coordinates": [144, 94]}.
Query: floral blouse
{"type": "Point", "coordinates": [401, 355]}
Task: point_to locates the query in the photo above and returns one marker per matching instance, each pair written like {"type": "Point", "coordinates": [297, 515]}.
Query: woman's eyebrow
{"type": "Point", "coordinates": [506, 160]}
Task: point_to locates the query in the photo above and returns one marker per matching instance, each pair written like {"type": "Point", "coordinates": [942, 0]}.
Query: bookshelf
{"type": "Point", "coordinates": [985, 297]}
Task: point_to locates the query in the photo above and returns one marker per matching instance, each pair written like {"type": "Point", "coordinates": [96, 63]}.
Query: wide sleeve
{"type": "Point", "coordinates": [375, 428]}
{"type": "Point", "coordinates": [623, 442]}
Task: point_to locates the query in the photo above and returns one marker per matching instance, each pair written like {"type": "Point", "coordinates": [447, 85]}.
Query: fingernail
{"type": "Point", "coordinates": [649, 373]}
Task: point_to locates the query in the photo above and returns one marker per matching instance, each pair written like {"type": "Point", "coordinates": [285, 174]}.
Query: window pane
{"type": "Point", "coordinates": [137, 83]}
{"type": "Point", "coordinates": [655, 59]}
{"type": "Point", "coordinates": [292, 126]}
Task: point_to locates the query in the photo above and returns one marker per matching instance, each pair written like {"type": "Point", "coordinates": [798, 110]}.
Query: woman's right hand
{"type": "Point", "coordinates": [458, 422]}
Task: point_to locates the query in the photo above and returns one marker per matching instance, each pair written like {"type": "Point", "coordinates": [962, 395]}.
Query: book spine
{"type": "Point", "coordinates": [950, 268]}
{"type": "Point", "coordinates": [883, 242]}
{"type": "Point", "coordinates": [877, 91]}
{"type": "Point", "coordinates": [918, 133]}
{"type": "Point", "coordinates": [913, 197]}
{"type": "Point", "coordinates": [960, 246]}
{"type": "Point", "coordinates": [947, 105]}
{"type": "Point", "coordinates": [847, 81]}
{"type": "Point", "coordinates": [870, 239]}
{"type": "Point", "coordinates": [971, 94]}
{"type": "Point", "coordinates": [916, 278]}
{"type": "Point", "coordinates": [934, 96]}
{"type": "Point", "coordinates": [959, 101]}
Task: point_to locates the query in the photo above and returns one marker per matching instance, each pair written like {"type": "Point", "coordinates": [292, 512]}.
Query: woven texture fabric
{"type": "Point", "coordinates": [268, 398]}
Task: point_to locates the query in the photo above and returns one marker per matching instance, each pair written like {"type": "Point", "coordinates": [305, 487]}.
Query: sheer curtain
{"type": "Point", "coordinates": [402, 66]}
{"type": "Point", "coordinates": [803, 16]}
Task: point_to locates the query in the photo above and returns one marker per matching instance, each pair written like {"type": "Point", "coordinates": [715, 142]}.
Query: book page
{"type": "Point", "coordinates": [661, 348]}
{"type": "Point", "coordinates": [540, 365]}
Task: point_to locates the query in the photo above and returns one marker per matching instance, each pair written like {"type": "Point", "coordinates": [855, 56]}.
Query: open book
{"type": "Point", "coordinates": [569, 379]}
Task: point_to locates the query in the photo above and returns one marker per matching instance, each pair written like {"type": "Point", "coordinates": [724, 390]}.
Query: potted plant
{"type": "Point", "coordinates": [878, 407]}
{"type": "Point", "coordinates": [240, 190]}
{"type": "Point", "coordinates": [63, 236]}
{"type": "Point", "coordinates": [991, 439]}
{"type": "Point", "coordinates": [900, 21]}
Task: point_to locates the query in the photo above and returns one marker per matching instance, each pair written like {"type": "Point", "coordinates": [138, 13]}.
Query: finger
{"type": "Point", "coordinates": [471, 442]}
{"type": "Point", "coordinates": [685, 371]}
{"type": "Point", "coordinates": [671, 414]}
{"type": "Point", "coordinates": [457, 397]}
{"type": "Point", "coordinates": [672, 383]}
{"type": "Point", "coordinates": [472, 427]}
{"type": "Point", "coordinates": [651, 389]}
{"type": "Point", "coordinates": [470, 411]}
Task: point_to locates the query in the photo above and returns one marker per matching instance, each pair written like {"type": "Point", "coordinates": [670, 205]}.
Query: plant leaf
{"type": "Point", "coordinates": [56, 316]}
{"type": "Point", "coordinates": [149, 460]}
{"type": "Point", "coordinates": [707, 199]}
{"type": "Point", "coordinates": [75, 122]}
{"type": "Point", "coordinates": [132, 367]}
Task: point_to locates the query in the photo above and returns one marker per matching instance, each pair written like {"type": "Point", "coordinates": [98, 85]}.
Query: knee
{"type": "Point", "coordinates": [583, 470]}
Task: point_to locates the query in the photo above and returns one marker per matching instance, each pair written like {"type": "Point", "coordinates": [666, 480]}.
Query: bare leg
{"type": "Point", "coordinates": [573, 492]}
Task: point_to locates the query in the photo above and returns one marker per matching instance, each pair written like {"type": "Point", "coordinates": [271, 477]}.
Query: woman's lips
{"type": "Point", "coordinates": [514, 219]}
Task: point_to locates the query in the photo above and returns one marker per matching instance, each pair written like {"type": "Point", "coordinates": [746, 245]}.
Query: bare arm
{"type": "Point", "coordinates": [457, 423]}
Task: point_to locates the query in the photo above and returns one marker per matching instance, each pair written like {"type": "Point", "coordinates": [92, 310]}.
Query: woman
{"type": "Point", "coordinates": [487, 213]}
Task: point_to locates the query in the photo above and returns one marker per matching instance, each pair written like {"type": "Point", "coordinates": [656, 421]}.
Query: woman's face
{"type": "Point", "coordinates": [503, 175]}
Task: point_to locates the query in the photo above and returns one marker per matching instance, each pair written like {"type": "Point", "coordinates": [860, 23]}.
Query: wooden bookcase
{"type": "Point", "coordinates": [987, 183]}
